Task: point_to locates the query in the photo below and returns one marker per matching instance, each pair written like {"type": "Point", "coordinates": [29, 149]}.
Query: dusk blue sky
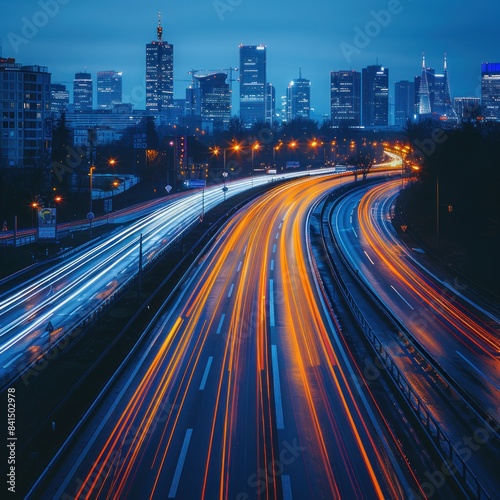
{"type": "Point", "coordinates": [318, 36]}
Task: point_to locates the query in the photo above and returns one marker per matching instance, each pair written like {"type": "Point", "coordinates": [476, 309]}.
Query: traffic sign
{"type": "Point", "coordinates": [197, 183]}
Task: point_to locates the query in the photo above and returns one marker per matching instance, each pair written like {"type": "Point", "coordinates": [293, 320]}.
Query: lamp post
{"type": "Point", "coordinates": [437, 213]}
{"type": "Point", "coordinates": [224, 189]}
{"type": "Point", "coordinates": [114, 185]}
{"type": "Point", "coordinates": [90, 215]}
{"type": "Point", "coordinates": [255, 147]}
{"type": "Point", "coordinates": [34, 206]}
{"type": "Point", "coordinates": [275, 148]}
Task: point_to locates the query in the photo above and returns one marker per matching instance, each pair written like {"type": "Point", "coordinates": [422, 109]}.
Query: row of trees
{"type": "Point", "coordinates": [455, 207]}
{"type": "Point", "coordinates": [159, 158]}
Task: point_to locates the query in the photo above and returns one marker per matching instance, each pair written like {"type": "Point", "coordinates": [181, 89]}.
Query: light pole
{"type": "Point", "coordinates": [34, 206]}
{"type": "Point", "coordinates": [114, 185]}
{"type": "Point", "coordinates": [224, 189]}
{"type": "Point", "coordinates": [90, 215]}
{"type": "Point", "coordinates": [437, 213]}
{"type": "Point", "coordinates": [275, 148]}
{"type": "Point", "coordinates": [255, 147]}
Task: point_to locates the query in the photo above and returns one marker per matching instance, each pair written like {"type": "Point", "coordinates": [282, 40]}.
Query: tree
{"type": "Point", "coordinates": [363, 160]}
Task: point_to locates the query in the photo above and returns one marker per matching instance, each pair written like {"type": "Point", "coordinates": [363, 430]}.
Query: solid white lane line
{"type": "Point", "coordinates": [206, 372]}
{"type": "Point", "coordinates": [219, 328]}
{"type": "Point", "coordinates": [180, 464]}
{"type": "Point", "coordinates": [280, 424]}
{"type": "Point", "coordinates": [287, 487]}
{"type": "Point", "coordinates": [402, 298]}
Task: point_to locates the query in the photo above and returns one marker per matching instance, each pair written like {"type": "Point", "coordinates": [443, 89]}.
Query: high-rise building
{"type": "Point", "coordinates": [213, 101]}
{"type": "Point", "coordinates": [375, 96]}
{"type": "Point", "coordinates": [109, 89]}
{"type": "Point", "coordinates": [467, 108]}
{"type": "Point", "coordinates": [59, 99]}
{"type": "Point", "coordinates": [25, 118]}
{"type": "Point", "coordinates": [252, 84]}
{"type": "Point", "coordinates": [490, 91]}
{"type": "Point", "coordinates": [83, 91]}
{"type": "Point", "coordinates": [441, 103]}
{"type": "Point", "coordinates": [299, 98]}
{"type": "Point", "coordinates": [424, 96]}
{"type": "Point", "coordinates": [404, 102]}
{"type": "Point", "coordinates": [159, 73]}
{"type": "Point", "coordinates": [345, 98]}
{"type": "Point", "coordinates": [270, 104]}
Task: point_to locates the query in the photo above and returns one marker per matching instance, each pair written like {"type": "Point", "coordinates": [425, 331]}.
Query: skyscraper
{"type": "Point", "coordinates": [109, 89]}
{"type": "Point", "coordinates": [83, 92]}
{"type": "Point", "coordinates": [490, 91]}
{"type": "Point", "coordinates": [25, 119]}
{"type": "Point", "coordinates": [159, 73]}
{"type": "Point", "coordinates": [441, 103]}
{"type": "Point", "coordinates": [214, 101]}
{"type": "Point", "coordinates": [270, 104]}
{"type": "Point", "coordinates": [404, 102]}
{"type": "Point", "coordinates": [467, 108]}
{"type": "Point", "coordinates": [59, 99]}
{"type": "Point", "coordinates": [424, 97]}
{"type": "Point", "coordinates": [345, 98]}
{"type": "Point", "coordinates": [252, 84]}
{"type": "Point", "coordinates": [299, 98]}
{"type": "Point", "coordinates": [375, 96]}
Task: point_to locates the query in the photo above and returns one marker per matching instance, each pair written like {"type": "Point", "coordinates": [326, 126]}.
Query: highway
{"type": "Point", "coordinates": [59, 299]}
{"type": "Point", "coordinates": [462, 336]}
{"type": "Point", "coordinates": [245, 389]}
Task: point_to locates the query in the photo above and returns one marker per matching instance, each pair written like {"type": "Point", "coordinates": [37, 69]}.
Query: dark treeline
{"type": "Point", "coordinates": [64, 171]}
{"type": "Point", "coordinates": [454, 207]}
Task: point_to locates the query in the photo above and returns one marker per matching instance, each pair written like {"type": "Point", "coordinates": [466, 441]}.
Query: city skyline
{"type": "Point", "coordinates": [329, 38]}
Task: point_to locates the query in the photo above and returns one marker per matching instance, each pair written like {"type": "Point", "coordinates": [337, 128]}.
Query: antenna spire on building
{"type": "Point", "coordinates": [424, 99]}
{"type": "Point", "coordinates": [159, 30]}
{"type": "Point", "coordinates": [449, 109]}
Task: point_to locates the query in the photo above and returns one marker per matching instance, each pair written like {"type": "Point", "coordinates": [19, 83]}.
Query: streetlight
{"type": "Point", "coordinates": [224, 189]}
{"type": "Point", "coordinates": [34, 206]}
{"type": "Point", "coordinates": [114, 185]}
{"type": "Point", "coordinates": [90, 215]}
{"type": "Point", "coordinates": [255, 147]}
{"type": "Point", "coordinates": [276, 148]}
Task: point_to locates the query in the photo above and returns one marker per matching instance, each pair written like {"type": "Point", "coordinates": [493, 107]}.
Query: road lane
{"type": "Point", "coordinates": [278, 415]}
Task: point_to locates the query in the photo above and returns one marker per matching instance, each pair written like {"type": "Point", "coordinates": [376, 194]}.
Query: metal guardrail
{"type": "Point", "coordinates": [418, 406]}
